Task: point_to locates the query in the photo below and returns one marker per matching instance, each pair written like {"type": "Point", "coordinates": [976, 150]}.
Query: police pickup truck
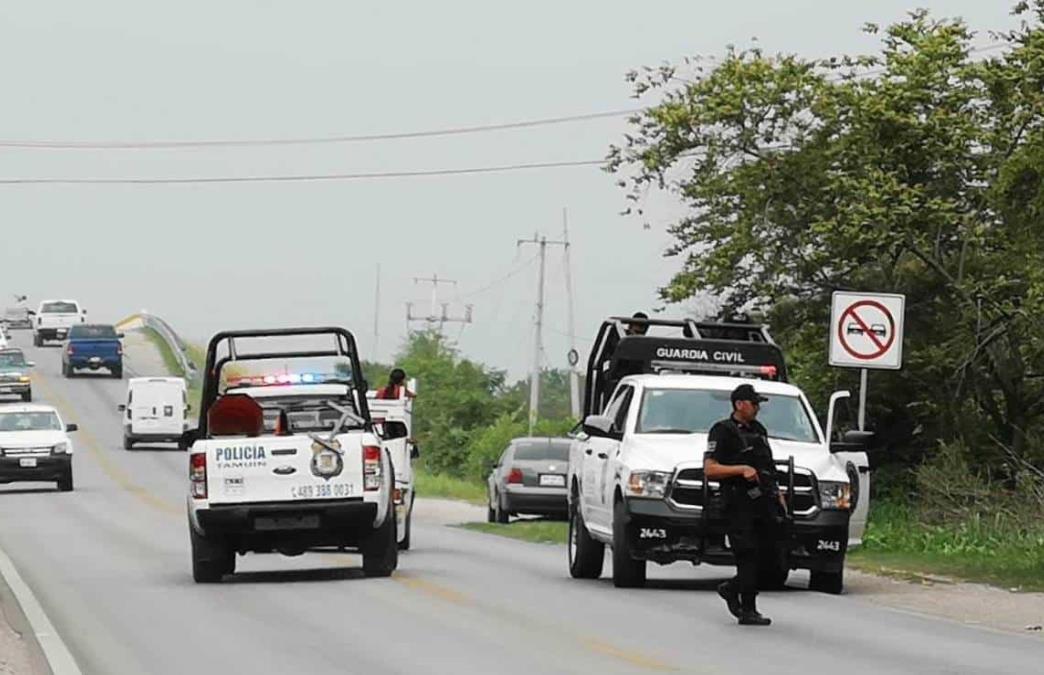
{"type": "Point", "coordinates": [286, 457]}
{"type": "Point", "coordinates": [636, 462]}
{"type": "Point", "coordinates": [393, 418]}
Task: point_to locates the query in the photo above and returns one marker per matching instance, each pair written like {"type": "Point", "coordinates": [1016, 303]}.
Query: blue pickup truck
{"type": "Point", "coordinates": [93, 346]}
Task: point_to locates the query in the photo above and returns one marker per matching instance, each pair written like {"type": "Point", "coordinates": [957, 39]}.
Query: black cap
{"type": "Point", "coordinates": [745, 392]}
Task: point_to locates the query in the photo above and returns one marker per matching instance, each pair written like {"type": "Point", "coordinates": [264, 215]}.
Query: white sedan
{"type": "Point", "coordinates": [35, 446]}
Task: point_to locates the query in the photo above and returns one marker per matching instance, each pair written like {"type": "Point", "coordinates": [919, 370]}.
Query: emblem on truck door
{"type": "Point", "coordinates": [326, 458]}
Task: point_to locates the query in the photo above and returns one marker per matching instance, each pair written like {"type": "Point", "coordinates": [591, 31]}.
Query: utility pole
{"type": "Point", "coordinates": [574, 377]}
{"type": "Point", "coordinates": [439, 312]}
{"type": "Point", "coordinates": [538, 350]}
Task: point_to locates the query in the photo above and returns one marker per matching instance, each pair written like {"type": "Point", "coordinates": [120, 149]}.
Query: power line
{"type": "Point", "coordinates": [320, 140]}
{"type": "Point", "coordinates": [496, 282]}
{"type": "Point", "coordinates": [301, 178]}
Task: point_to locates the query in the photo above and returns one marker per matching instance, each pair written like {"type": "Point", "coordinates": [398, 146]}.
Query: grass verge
{"type": "Point", "coordinates": [897, 541]}
{"type": "Point", "coordinates": [535, 531]}
{"type": "Point", "coordinates": [170, 362]}
{"type": "Point", "coordinates": [447, 487]}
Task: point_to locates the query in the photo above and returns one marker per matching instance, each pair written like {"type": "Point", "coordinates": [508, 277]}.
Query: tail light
{"type": "Point", "coordinates": [119, 350]}
{"type": "Point", "coordinates": [371, 468]}
{"type": "Point", "coordinates": [515, 476]}
{"type": "Point", "coordinates": [397, 496]}
{"type": "Point", "coordinates": [198, 475]}
{"type": "Point", "coordinates": [69, 350]}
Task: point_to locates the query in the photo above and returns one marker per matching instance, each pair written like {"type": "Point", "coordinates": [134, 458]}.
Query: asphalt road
{"type": "Point", "coordinates": [110, 565]}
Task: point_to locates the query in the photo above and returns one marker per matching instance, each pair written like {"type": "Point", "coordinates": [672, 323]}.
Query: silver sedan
{"type": "Point", "coordinates": [529, 478]}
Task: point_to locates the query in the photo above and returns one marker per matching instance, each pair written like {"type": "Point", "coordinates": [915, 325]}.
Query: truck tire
{"type": "Point", "coordinates": [501, 514]}
{"type": "Point", "coordinates": [773, 570]}
{"type": "Point", "coordinates": [37, 342]}
{"type": "Point", "coordinates": [827, 582]}
{"type": "Point", "coordinates": [404, 545]}
{"type": "Point", "coordinates": [28, 396]}
{"type": "Point", "coordinates": [586, 555]}
{"type": "Point", "coordinates": [380, 551]}
{"type": "Point", "coordinates": [65, 483]}
{"type": "Point", "coordinates": [118, 373]}
{"type": "Point", "coordinates": [211, 558]}
{"type": "Point", "coordinates": [67, 371]}
{"type": "Point", "coordinates": [128, 443]}
{"type": "Point", "coordinates": [627, 572]}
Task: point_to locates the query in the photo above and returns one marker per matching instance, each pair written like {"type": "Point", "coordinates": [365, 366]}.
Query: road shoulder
{"type": "Point", "coordinates": [20, 653]}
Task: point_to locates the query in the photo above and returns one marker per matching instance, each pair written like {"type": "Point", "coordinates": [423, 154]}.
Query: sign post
{"type": "Point", "coordinates": [866, 332]}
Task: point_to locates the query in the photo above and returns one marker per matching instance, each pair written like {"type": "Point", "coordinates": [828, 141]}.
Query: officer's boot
{"type": "Point", "coordinates": [727, 591]}
{"type": "Point", "coordinates": [749, 615]}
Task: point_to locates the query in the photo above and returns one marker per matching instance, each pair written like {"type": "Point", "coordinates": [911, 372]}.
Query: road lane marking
{"type": "Point", "coordinates": [633, 658]}
{"type": "Point", "coordinates": [431, 588]}
{"type": "Point", "coordinates": [59, 658]}
{"type": "Point", "coordinates": [109, 467]}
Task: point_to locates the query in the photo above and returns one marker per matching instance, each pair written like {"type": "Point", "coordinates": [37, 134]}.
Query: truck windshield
{"type": "Point", "coordinates": [29, 421]}
{"type": "Point", "coordinates": [691, 411]}
{"type": "Point", "coordinates": [60, 308]}
{"type": "Point", "coordinates": [92, 332]}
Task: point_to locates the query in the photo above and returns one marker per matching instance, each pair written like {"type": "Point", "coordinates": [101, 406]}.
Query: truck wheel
{"type": "Point", "coordinates": [67, 371]}
{"type": "Point", "coordinates": [65, 483]}
{"type": "Point", "coordinates": [128, 443]}
{"type": "Point", "coordinates": [404, 545]}
{"type": "Point", "coordinates": [118, 373]}
{"type": "Point", "coordinates": [380, 550]}
{"type": "Point", "coordinates": [827, 582]}
{"type": "Point", "coordinates": [37, 342]}
{"type": "Point", "coordinates": [28, 396]}
{"type": "Point", "coordinates": [773, 570]}
{"type": "Point", "coordinates": [211, 559]}
{"type": "Point", "coordinates": [586, 556]}
{"type": "Point", "coordinates": [627, 572]}
{"type": "Point", "coordinates": [501, 514]}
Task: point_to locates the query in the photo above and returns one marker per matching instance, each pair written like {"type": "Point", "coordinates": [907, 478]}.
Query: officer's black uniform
{"type": "Point", "coordinates": [753, 509]}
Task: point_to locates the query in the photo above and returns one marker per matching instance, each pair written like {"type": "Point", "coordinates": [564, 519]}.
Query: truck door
{"type": "Point", "coordinates": [602, 458]}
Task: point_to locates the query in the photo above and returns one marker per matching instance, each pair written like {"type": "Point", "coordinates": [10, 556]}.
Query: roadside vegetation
{"type": "Point", "coordinates": [536, 531]}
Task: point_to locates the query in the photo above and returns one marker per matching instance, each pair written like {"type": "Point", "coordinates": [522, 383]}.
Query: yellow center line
{"type": "Point", "coordinates": [108, 466]}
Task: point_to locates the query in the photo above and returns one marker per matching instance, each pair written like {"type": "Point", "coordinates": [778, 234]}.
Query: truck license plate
{"type": "Point", "coordinates": [321, 491]}
{"type": "Point", "coordinates": [27, 462]}
{"type": "Point", "coordinates": [552, 480]}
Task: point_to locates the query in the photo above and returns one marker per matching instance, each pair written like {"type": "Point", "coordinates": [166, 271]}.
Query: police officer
{"type": "Point", "coordinates": [739, 457]}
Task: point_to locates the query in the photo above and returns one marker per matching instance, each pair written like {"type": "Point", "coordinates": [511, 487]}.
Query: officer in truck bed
{"type": "Point", "coordinates": [739, 457]}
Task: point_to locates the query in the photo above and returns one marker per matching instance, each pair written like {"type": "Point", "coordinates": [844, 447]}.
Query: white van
{"type": "Point", "coordinates": [156, 410]}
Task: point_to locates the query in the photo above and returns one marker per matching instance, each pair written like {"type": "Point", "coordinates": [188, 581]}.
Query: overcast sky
{"type": "Point", "coordinates": [210, 257]}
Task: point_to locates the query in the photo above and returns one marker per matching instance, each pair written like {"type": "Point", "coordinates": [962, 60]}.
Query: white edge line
{"type": "Point", "coordinates": [58, 657]}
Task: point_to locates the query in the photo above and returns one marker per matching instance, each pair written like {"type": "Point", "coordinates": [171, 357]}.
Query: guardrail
{"type": "Point", "coordinates": [177, 346]}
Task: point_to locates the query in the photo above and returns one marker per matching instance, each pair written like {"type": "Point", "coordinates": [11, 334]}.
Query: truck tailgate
{"type": "Point", "coordinates": [282, 469]}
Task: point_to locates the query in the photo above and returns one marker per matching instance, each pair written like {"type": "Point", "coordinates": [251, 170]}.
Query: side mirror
{"type": "Point", "coordinates": [414, 452]}
{"type": "Point", "coordinates": [853, 441]}
{"type": "Point", "coordinates": [72, 427]}
{"type": "Point", "coordinates": [31, 364]}
{"type": "Point", "coordinates": [188, 407]}
{"type": "Point", "coordinates": [83, 311]}
{"type": "Point", "coordinates": [121, 407]}
{"type": "Point", "coordinates": [119, 335]}
{"type": "Point", "coordinates": [599, 426]}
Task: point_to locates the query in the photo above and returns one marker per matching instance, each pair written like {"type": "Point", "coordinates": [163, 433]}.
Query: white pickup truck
{"type": "Point", "coordinates": [54, 318]}
{"type": "Point", "coordinates": [636, 464]}
{"type": "Point", "coordinates": [394, 419]}
{"type": "Point", "coordinates": [286, 457]}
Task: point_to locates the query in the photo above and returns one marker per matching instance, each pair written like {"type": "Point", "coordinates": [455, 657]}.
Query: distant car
{"type": "Point", "coordinates": [14, 374]}
{"type": "Point", "coordinates": [17, 317]}
{"type": "Point", "coordinates": [93, 346]}
{"type": "Point", "coordinates": [54, 318]}
{"type": "Point", "coordinates": [529, 478]}
{"type": "Point", "coordinates": [35, 446]}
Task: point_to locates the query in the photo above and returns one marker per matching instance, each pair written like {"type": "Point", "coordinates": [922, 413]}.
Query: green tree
{"type": "Point", "coordinates": [917, 170]}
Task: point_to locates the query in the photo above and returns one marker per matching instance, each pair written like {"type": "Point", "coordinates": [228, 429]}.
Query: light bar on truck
{"type": "Point", "coordinates": [765, 371]}
{"type": "Point", "coordinates": [282, 379]}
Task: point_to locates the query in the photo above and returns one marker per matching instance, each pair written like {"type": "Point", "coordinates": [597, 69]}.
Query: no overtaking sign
{"type": "Point", "coordinates": [866, 330]}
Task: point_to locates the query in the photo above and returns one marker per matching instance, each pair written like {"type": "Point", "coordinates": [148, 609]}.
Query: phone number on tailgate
{"type": "Point", "coordinates": [321, 491]}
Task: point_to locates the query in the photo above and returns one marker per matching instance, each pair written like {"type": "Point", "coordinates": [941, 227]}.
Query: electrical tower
{"type": "Point", "coordinates": [439, 312]}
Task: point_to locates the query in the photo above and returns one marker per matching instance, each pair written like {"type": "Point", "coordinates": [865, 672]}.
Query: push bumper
{"type": "Point", "coordinates": [45, 469]}
{"type": "Point", "coordinates": [661, 533]}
